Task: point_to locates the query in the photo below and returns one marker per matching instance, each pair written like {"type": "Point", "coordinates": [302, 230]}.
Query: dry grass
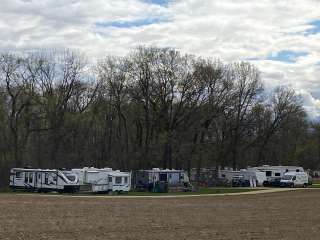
{"type": "Point", "coordinates": [286, 215]}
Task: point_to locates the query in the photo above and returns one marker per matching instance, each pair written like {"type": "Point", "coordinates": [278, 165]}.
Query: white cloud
{"type": "Point", "coordinates": [232, 30]}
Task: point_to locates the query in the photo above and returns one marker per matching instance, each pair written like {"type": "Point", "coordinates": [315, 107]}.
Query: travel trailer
{"type": "Point", "coordinates": [278, 171]}
{"type": "Point", "coordinates": [160, 180]}
{"type": "Point", "coordinates": [103, 179]}
{"type": "Point", "coordinates": [294, 179]}
{"type": "Point", "coordinates": [119, 181]}
{"type": "Point", "coordinates": [43, 180]}
{"type": "Point", "coordinates": [275, 173]}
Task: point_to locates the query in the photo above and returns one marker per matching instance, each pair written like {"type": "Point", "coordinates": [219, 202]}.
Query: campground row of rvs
{"type": "Point", "coordinates": [155, 180]}
{"type": "Point", "coordinates": [98, 180]}
{"type": "Point", "coordinates": [90, 179]}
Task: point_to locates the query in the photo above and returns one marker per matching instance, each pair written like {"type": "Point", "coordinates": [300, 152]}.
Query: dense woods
{"type": "Point", "coordinates": [152, 108]}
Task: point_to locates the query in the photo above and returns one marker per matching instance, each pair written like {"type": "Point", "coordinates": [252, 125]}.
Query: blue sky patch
{"type": "Point", "coordinates": [315, 29]}
{"type": "Point", "coordinates": [286, 56]}
{"type": "Point", "coordinates": [130, 24]}
{"type": "Point", "coordinates": [158, 2]}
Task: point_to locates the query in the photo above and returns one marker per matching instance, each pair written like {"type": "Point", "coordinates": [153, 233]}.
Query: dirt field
{"type": "Point", "coordinates": [284, 215]}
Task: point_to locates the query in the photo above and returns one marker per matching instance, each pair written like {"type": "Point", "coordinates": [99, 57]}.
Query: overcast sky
{"type": "Point", "coordinates": [281, 37]}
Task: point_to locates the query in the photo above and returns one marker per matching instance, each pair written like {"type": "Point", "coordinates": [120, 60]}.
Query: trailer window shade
{"type": "Point", "coordinates": [118, 180]}
{"type": "Point", "coordinates": [163, 177]}
{"type": "Point", "coordinates": [18, 174]}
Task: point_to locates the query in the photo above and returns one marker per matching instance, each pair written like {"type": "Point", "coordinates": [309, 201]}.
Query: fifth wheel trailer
{"type": "Point", "coordinates": [103, 179]}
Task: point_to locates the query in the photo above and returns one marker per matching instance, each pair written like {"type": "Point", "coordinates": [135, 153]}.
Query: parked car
{"type": "Point", "coordinates": [239, 181]}
{"type": "Point", "coordinates": [274, 182]}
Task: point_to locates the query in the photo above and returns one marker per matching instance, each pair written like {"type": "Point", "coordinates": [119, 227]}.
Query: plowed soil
{"type": "Point", "coordinates": [285, 215]}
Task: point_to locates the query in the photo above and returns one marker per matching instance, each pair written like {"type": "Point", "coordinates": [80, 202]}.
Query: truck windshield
{"type": "Point", "coordinates": [287, 177]}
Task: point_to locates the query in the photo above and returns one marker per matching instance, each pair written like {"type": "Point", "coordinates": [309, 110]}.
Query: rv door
{"type": "Point", "coordinates": [39, 180]}
{"type": "Point", "coordinates": [32, 180]}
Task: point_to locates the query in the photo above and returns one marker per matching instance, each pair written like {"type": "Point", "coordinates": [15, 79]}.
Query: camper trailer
{"type": "Point", "coordinates": [294, 179]}
{"type": "Point", "coordinates": [275, 173]}
{"type": "Point", "coordinates": [43, 180]}
{"type": "Point", "coordinates": [119, 181]}
{"type": "Point", "coordinates": [103, 179]}
{"type": "Point", "coordinates": [161, 180]}
{"type": "Point", "coordinates": [278, 171]}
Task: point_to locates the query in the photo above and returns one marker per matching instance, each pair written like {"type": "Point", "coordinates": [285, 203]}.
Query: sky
{"type": "Point", "coordinates": [280, 37]}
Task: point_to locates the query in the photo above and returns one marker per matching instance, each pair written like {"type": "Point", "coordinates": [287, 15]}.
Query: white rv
{"type": "Point", "coordinates": [104, 179]}
{"type": "Point", "coordinates": [119, 181]}
{"type": "Point", "coordinates": [294, 179]}
{"type": "Point", "coordinates": [43, 180]}
{"type": "Point", "coordinates": [278, 171]}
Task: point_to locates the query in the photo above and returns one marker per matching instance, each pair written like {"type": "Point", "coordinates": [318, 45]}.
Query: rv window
{"type": "Point", "coordinates": [39, 176]}
{"type": "Point", "coordinates": [110, 179]}
{"type": "Point", "coordinates": [71, 177]}
{"type": "Point", "coordinates": [268, 173]}
{"type": "Point", "coordinates": [294, 178]}
{"type": "Point", "coordinates": [223, 175]}
{"type": "Point", "coordinates": [277, 174]}
{"type": "Point", "coordinates": [18, 174]}
{"type": "Point", "coordinates": [125, 180]}
{"type": "Point", "coordinates": [25, 177]}
{"type": "Point", "coordinates": [118, 180]}
{"type": "Point", "coordinates": [297, 170]}
{"type": "Point", "coordinates": [163, 177]}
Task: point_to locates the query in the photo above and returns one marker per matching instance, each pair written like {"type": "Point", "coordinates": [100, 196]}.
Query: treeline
{"type": "Point", "coordinates": [152, 108]}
